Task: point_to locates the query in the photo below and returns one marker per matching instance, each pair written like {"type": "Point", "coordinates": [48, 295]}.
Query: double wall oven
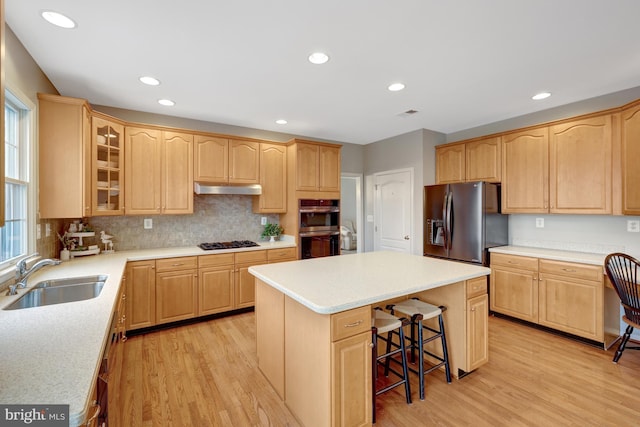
{"type": "Point", "coordinates": [319, 233]}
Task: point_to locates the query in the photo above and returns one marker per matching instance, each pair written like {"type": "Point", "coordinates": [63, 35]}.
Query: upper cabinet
{"type": "Point", "coordinates": [630, 133]}
{"type": "Point", "coordinates": [107, 170]}
{"type": "Point", "coordinates": [273, 179]}
{"type": "Point", "coordinates": [473, 160]}
{"type": "Point", "coordinates": [580, 166]}
{"type": "Point", "coordinates": [158, 172]}
{"type": "Point", "coordinates": [317, 167]}
{"type": "Point", "coordinates": [226, 161]}
{"type": "Point", "coordinates": [65, 157]}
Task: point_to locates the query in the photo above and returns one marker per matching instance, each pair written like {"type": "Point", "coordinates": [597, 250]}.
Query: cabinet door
{"type": "Point", "coordinates": [107, 167]}
{"type": "Point", "coordinates": [273, 179]}
{"type": "Point", "coordinates": [141, 294]}
{"type": "Point", "coordinates": [143, 182]}
{"type": "Point", "coordinates": [307, 165]}
{"type": "Point", "coordinates": [477, 332]}
{"type": "Point", "coordinates": [65, 152]}
{"type": "Point", "coordinates": [176, 295]}
{"type": "Point", "coordinates": [483, 160]}
{"type": "Point", "coordinates": [215, 290]}
{"type": "Point", "coordinates": [351, 381]}
{"type": "Point", "coordinates": [573, 306]}
{"type": "Point", "coordinates": [580, 166]}
{"type": "Point", "coordinates": [630, 155]}
{"type": "Point", "coordinates": [514, 293]}
{"type": "Point", "coordinates": [177, 173]}
{"type": "Point", "coordinates": [244, 160]}
{"type": "Point", "coordinates": [245, 294]}
{"type": "Point", "coordinates": [450, 164]}
{"type": "Point", "coordinates": [329, 168]}
{"type": "Point", "coordinates": [525, 171]}
{"type": "Point", "coordinates": [211, 159]}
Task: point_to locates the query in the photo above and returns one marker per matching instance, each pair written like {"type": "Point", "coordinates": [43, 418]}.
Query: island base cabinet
{"type": "Point", "coordinates": [270, 334]}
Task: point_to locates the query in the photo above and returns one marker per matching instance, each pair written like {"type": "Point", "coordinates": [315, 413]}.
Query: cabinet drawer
{"type": "Point", "coordinates": [251, 256]}
{"type": "Point", "coordinates": [352, 322]}
{"type": "Point", "coordinates": [515, 261]}
{"type": "Point", "coordinates": [476, 287]}
{"type": "Point", "coordinates": [215, 260]}
{"type": "Point", "coordinates": [575, 271]}
{"type": "Point", "coordinates": [180, 263]}
{"type": "Point", "coordinates": [275, 255]}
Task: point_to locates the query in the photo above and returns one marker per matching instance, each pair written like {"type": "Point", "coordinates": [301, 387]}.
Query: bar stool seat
{"type": "Point", "coordinates": [419, 311]}
{"type": "Point", "coordinates": [385, 323]}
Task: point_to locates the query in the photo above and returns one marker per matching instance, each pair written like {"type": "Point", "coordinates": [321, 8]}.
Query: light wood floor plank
{"type": "Point", "coordinates": [206, 374]}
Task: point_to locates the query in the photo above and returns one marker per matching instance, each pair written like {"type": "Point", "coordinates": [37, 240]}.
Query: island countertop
{"type": "Point", "coordinates": [333, 284]}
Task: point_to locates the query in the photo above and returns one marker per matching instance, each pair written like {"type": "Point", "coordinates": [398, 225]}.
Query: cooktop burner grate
{"type": "Point", "coordinates": [227, 245]}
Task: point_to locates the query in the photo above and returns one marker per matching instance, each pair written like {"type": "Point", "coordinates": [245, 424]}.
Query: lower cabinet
{"type": "Point", "coordinates": [176, 289]}
{"type": "Point", "coordinates": [244, 282]}
{"type": "Point", "coordinates": [215, 290]}
{"type": "Point", "coordinates": [568, 297]}
{"type": "Point", "coordinates": [141, 294]}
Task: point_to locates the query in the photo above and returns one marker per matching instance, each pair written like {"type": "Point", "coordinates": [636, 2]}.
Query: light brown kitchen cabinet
{"type": "Point", "coordinates": [317, 167]}
{"type": "Point", "coordinates": [273, 179]}
{"type": "Point", "coordinates": [176, 289]}
{"type": "Point", "coordinates": [65, 157]}
{"type": "Point", "coordinates": [215, 284]}
{"type": "Point", "coordinates": [477, 337]}
{"type": "Point", "coordinates": [525, 171]}
{"type": "Point", "coordinates": [580, 166]}
{"type": "Point", "coordinates": [450, 163]}
{"type": "Point", "coordinates": [140, 294]}
{"type": "Point", "coordinates": [570, 298]}
{"type": "Point", "coordinates": [483, 160]}
{"type": "Point", "coordinates": [514, 286]}
{"type": "Point", "coordinates": [158, 172]}
{"type": "Point", "coordinates": [226, 161]}
{"type": "Point", "coordinates": [107, 171]}
{"type": "Point", "coordinates": [244, 282]}
{"type": "Point", "coordinates": [630, 134]}
{"type": "Point", "coordinates": [282, 255]}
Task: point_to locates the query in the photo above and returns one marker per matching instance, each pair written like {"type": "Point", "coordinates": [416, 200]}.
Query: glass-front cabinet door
{"type": "Point", "coordinates": [107, 172]}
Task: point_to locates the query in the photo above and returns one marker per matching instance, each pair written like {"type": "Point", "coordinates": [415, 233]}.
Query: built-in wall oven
{"type": "Point", "coordinates": [319, 233]}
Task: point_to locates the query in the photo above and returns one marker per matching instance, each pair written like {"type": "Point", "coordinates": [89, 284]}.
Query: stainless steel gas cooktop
{"type": "Point", "coordinates": [235, 244]}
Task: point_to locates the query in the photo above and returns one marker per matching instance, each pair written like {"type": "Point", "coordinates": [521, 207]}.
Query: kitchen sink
{"type": "Point", "coordinates": [58, 291]}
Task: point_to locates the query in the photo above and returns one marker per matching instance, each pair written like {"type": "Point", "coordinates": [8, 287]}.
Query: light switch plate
{"type": "Point", "coordinates": [539, 222]}
{"type": "Point", "coordinates": [148, 223]}
{"type": "Point", "coordinates": [47, 230]}
{"type": "Point", "coordinates": [263, 220]}
{"type": "Point", "coordinates": [38, 231]}
{"type": "Point", "coordinates": [633, 226]}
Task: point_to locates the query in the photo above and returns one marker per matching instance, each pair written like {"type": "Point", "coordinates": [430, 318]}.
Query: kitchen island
{"type": "Point", "coordinates": [313, 322]}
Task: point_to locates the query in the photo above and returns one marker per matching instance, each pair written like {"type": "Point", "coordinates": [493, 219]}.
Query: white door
{"type": "Point", "coordinates": [393, 210]}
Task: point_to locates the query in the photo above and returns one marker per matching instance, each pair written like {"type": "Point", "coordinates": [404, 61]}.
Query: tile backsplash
{"type": "Point", "coordinates": [215, 218]}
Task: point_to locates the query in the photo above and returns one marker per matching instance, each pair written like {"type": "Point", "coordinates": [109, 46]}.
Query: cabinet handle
{"type": "Point", "coordinates": [473, 309]}
{"type": "Point", "coordinates": [351, 325]}
{"type": "Point", "coordinates": [371, 344]}
{"type": "Point", "coordinates": [177, 264]}
{"type": "Point", "coordinates": [569, 270]}
{"type": "Point", "coordinates": [512, 262]}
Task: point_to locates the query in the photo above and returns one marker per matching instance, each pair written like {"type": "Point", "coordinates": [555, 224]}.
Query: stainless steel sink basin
{"type": "Point", "coordinates": [58, 291]}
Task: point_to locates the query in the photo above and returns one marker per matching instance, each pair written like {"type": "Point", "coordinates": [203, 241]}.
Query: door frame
{"type": "Point", "coordinates": [357, 177]}
{"type": "Point", "coordinates": [377, 207]}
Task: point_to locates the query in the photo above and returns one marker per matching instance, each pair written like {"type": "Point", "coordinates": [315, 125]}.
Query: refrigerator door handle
{"type": "Point", "coordinates": [445, 235]}
{"type": "Point", "coordinates": [448, 221]}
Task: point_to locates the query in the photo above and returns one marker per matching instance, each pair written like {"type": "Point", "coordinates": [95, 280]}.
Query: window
{"type": "Point", "coordinates": [15, 235]}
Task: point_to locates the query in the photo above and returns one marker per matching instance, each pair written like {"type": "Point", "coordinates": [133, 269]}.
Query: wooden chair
{"type": "Point", "coordinates": [622, 271]}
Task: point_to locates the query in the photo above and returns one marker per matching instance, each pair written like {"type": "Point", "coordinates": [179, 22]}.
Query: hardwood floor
{"type": "Point", "coordinates": [206, 374]}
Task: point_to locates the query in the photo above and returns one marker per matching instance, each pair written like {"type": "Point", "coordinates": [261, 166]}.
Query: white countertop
{"type": "Point", "coordinates": [555, 254]}
{"type": "Point", "coordinates": [51, 354]}
{"type": "Point", "coordinates": [333, 284]}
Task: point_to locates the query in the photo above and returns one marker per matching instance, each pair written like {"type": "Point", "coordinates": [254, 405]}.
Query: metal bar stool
{"type": "Point", "coordinates": [384, 322]}
{"type": "Point", "coordinates": [419, 311]}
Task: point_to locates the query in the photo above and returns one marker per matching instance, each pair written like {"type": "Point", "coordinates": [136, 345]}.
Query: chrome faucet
{"type": "Point", "coordinates": [22, 274]}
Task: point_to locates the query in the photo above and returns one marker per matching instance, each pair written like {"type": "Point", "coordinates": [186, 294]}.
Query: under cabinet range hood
{"type": "Point", "coordinates": [248, 190]}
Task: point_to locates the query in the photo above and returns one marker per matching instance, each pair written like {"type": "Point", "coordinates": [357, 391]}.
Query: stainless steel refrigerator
{"type": "Point", "coordinates": [462, 221]}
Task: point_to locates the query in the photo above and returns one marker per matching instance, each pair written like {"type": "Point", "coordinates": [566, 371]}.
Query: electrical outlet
{"type": "Point", "coordinates": [148, 223]}
{"type": "Point", "coordinates": [539, 222]}
{"type": "Point", "coordinates": [633, 226]}
{"type": "Point", "coordinates": [38, 231]}
{"type": "Point", "coordinates": [263, 220]}
{"type": "Point", "coordinates": [47, 230]}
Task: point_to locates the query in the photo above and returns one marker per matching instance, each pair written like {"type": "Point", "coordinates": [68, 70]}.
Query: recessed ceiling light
{"type": "Point", "coordinates": [151, 81]}
{"type": "Point", "coordinates": [394, 87]}
{"type": "Point", "coordinates": [541, 95]}
{"type": "Point", "coordinates": [166, 102]}
{"type": "Point", "coordinates": [58, 19]}
{"type": "Point", "coordinates": [281, 121]}
{"type": "Point", "coordinates": [318, 58]}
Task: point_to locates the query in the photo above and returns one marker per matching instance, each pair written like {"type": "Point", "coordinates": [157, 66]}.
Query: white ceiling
{"type": "Point", "coordinates": [465, 63]}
